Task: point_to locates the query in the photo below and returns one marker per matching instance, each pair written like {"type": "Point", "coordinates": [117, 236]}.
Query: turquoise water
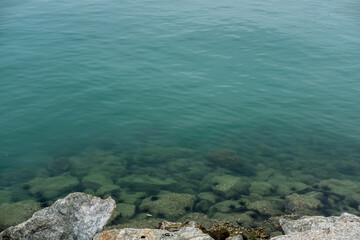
{"type": "Point", "coordinates": [275, 81]}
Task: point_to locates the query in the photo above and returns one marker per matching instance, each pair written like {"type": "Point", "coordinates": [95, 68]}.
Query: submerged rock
{"type": "Point", "coordinates": [226, 159]}
{"type": "Point", "coordinates": [14, 213]}
{"type": "Point", "coordinates": [268, 207]}
{"type": "Point", "coordinates": [5, 196]}
{"type": "Point", "coordinates": [122, 211]}
{"type": "Point", "coordinates": [227, 206]}
{"type": "Point", "coordinates": [339, 187]}
{"type": "Point", "coordinates": [95, 181]}
{"type": "Point", "coordinates": [168, 205]}
{"type": "Point", "coordinates": [345, 227]}
{"type": "Point", "coordinates": [229, 186]}
{"type": "Point", "coordinates": [304, 204]}
{"type": "Point", "coordinates": [77, 216]}
{"type": "Point", "coordinates": [286, 187]}
{"type": "Point", "coordinates": [52, 187]}
{"type": "Point", "coordinates": [199, 218]}
{"type": "Point", "coordinates": [59, 166]}
{"type": "Point", "coordinates": [146, 183]}
{"type": "Point", "coordinates": [208, 196]}
{"type": "Point", "coordinates": [262, 188]}
{"type": "Point", "coordinates": [132, 198]}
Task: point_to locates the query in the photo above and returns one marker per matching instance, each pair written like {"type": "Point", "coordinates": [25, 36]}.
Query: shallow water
{"type": "Point", "coordinates": [157, 86]}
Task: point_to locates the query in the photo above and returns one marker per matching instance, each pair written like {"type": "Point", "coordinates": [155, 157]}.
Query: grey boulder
{"type": "Point", "coordinates": [184, 233]}
{"type": "Point", "coordinates": [344, 227]}
{"type": "Point", "coordinates": [77, 216]}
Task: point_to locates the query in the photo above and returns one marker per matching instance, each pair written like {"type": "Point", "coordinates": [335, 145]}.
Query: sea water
{"type": "Point", "coordinates": [154, 91]}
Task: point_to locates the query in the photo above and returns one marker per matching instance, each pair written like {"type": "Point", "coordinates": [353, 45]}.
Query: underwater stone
{"type": "Point", "coordinates": [254, 197]}
{"type": "Point", "coordinates": [146, 183]}
{"type": "Point", "coordinates": [15, 213]}
{"type": "Point", "coordinates": [229, 186]}
{"type": "Point", "coordinates": [227, 206]}
{"type": "Point", "coordinates": [52, 187]}
{"type": "Point", "coordinates": [345, 227]}
{"type": "Point", "coordinates": [263, 173]}
{"type": "Point", "coordinates": [132, 198]}
{"type": "Point", "coordinates": [167, 204]}
{"type": "Point", "coordinates": [231, 218]}
{"type": "Point", "coordinates": [300, 176]}
{"type": "Point", "coordinates": [59, 166]}
{"type": "Point", "coordinates": [353, 200]}
{"type": "Point", "coordinates": [77, 216]}
{"type": "Point", "coordinates": [268, 207]}
{"type": "Point", "coordinates": [226, 159]}
{"type": "Point", "coordinates": [209, 196]}
{"type": "Point", "coordinates": [95, 161]}
{"type": "Point", "coordinates": [286, 188]}
{"type": "Point", "coordinates": [339, 187]}
{"type": "Point", "coordinates": [304, 204]}
{"type": "Point", "coordinates": [89, 191]}
{"type": "Point", "coordinates": [95, 181]}
{"type": "Point", "coordinates": [108, 190]}
{"type": "Point", "coordinates": [203, 206]}
{"type": "Point", "coordinates": [262, 188]}
{"type": "Point", "coordinates": [5, 196]}
{"type": "Point", "coordinates": [199, 218]}
{"type": "Point", "coordinates": [245, 219]}
{"type": "Point", "coordinates": [123, 211]}
{"type": "Point", "coordinates": [197, 172]}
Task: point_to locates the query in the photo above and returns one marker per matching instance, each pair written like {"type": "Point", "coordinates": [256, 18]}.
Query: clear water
{"type": "Point", "coordinates": [123, 76]}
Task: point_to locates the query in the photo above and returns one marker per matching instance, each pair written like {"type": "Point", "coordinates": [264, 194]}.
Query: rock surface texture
{"type": "Point", "coordinates": [77, 216]}
{"type": "Point", "coordinates": [185, 233]}
{"type": "Point", "coordinates": [345, 227]}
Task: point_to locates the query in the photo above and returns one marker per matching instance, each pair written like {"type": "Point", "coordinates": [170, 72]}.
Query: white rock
{"type": "Point", "coordinates": [345, 227]}
{"type": "Point", "coordinates": [185, 233]}
{"type": "Point", "coordinates": [77, 216]}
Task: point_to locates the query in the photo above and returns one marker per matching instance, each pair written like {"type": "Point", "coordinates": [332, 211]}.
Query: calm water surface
{"type": "Point", "coordinates": [122, 76]}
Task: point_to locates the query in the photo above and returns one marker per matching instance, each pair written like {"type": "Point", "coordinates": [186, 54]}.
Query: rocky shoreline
{"type": "Point", "coordinates": [155, 183]}
{"type": "Point", "coordinates": [83, 217]}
